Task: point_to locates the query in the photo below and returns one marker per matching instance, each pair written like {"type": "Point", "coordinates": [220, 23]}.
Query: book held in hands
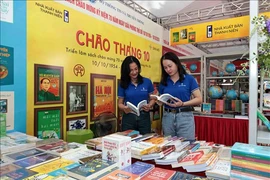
{"type": "Point", "coordinates": [163, 98]}
{"type": "Point", "coordinates": [136, 109]}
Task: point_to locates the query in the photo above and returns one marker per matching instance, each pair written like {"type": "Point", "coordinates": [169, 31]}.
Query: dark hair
{"type": "Point", "coordinates": [41, 81]}
{"type": "Point", "coordinates": [125, 71]}
{"type": "Point", "coordinates": [171, 56]}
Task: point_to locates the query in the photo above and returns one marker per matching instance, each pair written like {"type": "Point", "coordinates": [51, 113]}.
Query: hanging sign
{"type": "Point", "coordinates": [211, 31]}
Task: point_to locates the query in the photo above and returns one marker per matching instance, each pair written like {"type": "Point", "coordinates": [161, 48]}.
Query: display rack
{"type": "Point", "coordinates": [219, 57]}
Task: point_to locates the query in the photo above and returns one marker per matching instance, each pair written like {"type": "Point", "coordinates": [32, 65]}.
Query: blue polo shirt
{"type": "Point", "coordinates": [181, 90]}
{"type": "Point", "coordinates": [135, 94]}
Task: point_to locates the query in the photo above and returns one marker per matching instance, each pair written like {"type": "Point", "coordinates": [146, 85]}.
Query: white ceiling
{"type": "Point", "coordinates": [171, 7]}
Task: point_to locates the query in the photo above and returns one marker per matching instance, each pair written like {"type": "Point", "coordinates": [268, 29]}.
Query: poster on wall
{"type": "Point", "coordinates": [6, 8]}
{"type": "Point", "coordinates": [48, 84]}
{"type": "Point", "coordinates": [7, 108]}
{"type": "Point", "coordinates": [103, 94]}
{"type": "Point", "coordinates": [77, 123]}
{"type": "Point", "coordinates": [6, 65]}
{"type": "Point", "coordinates": [77, 98]}
{"type": "Point", "coordinates": [48, 122]}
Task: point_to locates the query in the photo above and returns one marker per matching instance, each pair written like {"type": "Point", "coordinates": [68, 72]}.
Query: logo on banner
{"type": "Point", "coordinates": [209, 31]}
{"type": "Point", "coordinates": [66, 16]}
{"type": "Point", "coordinates": [79, 70]}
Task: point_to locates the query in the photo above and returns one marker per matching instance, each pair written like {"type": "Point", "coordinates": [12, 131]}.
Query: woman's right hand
{"type": "Point", "coordinates": [126, 109]}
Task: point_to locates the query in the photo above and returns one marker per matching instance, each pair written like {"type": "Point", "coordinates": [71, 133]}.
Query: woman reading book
{"type": "Point", "coordinates": [134, 88]}
{"type": "Point", "coordinates": [178, 119]}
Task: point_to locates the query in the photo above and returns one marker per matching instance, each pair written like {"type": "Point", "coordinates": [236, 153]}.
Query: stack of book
{"type": "Point", "coordinates": [250, 161]}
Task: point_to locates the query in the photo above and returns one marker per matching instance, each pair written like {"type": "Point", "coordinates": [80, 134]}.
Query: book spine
{"type": "Point", "coordinates": [250, 159]}
{"type": "Point", "coordinates": [250, 155]}
{"type": "Point", "coordinates": [251, 171]}
{"type": "Point", "coordinates": [251, 163]}
{"type": "Point", "coordinates": [254, 167]}
{"type": "Point", "coordinates": [248, 175]}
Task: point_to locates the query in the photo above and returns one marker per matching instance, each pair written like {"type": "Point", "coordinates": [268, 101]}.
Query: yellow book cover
{"type": "Point", "coordinates": [39, 176]}
{"type": "Point", "coordinates": [52, 166]}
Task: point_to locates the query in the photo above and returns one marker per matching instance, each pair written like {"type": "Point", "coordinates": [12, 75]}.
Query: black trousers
{"type": "Point", "coordinates": [140, 123]}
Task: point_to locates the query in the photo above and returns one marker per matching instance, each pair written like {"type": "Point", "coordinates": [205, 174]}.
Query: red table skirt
{"type": "Point", "coordinates": [225, 131]}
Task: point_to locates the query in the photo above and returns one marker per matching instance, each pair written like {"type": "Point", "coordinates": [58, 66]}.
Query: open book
{"type": "Point", "coordinates": [136, 110]}
{"type": "Point", "coordinates": [163, 98]}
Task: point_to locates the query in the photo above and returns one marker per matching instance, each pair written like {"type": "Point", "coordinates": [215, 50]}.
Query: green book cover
{"type": "Point", "coordinates": [3, 119]}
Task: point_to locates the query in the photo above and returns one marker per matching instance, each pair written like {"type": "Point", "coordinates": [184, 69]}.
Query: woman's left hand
{"type": "Point", "coordinates": [146, 108]}
{"type": "Point", "coordinates": [175, 103]}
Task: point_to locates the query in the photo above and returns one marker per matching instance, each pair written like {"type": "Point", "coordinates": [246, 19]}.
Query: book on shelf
{"type": "Point", "coordinates": [251, 165]}
{"type": "Point", "coordinates": [136, 109]}
{"type": "Point", "coordinates": [159, 173]}
{"type": "Point", "coordinates": [95, 143]}
{"type": "Point", "coordinates": [145, 136]}
{"type": "Point", "coordinates": [117, 148]}
{"type": "Point", "coordinates": [42, 142]}
{"type": "Point", "coordinates": [206, 108]}
{"type": "Point", "coordinates": [36, 160]}
{"type": "Point", "coordinates": [63, 177]}
{"type": "Point", "coordinates": [266, 100]}
{"type": "Point", "coordinates": [142, 148]}
{"type": "Point", "coordinates": [120, 175]}
{"type": "Point", "coordinates": [139, 168]}
{"type": "Point", "coordinates": [224, 153]}
{"type": "Point", "coordinates": [247, 169]}
{"type": "Point", "coordinates": [66, 148]}
{"type": "Point", "coordinates": [164, 98]}
{"type": "Point", "coordinates": [130, 133]}
{"type": "Point", "coordinates": [91, 169]}
{"type": "Point", "coordinates": [184, 176]}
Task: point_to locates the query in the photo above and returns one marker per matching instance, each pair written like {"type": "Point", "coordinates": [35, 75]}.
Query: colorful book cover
{"type": "Point", "coordinates": [119, 174]}
{"type": "Point", "coordinates": [20, 174]}
{"type": "Point", "coordinates": [63, 170]}
{"type": "Point", "coordinates": [8, 168]}
{"type": "Point", "coordinates": [33, 161]}
{"type": "Point", "coordinates": [24, 154]}
{"type": "Point", "coordinates": [139, 168]}
{"type": "Point", "coordinates": [190, 159]}
{"type": "Point", "coordinates": [53, 145]}
{"type": "Point", "coordinates": [251, 150]}
{"type": "Point", "coordinates": [52, 166]}
{"type": "Point", "coordinates": [206, 108]}
{"type": "Point", "coordinates": [39, 176]}
{"type": "Point", "coordinates": [159, 173]}
{"type": "Point", "coordinates": [91, 169]}
{"type": "Point", "coordinates": [105, 173]}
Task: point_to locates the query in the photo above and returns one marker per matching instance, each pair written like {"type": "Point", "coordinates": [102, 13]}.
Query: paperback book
{"type": "Point", "coordinates": [36, 160]}
{"type": "Point", "coordinates": [164, 98]}
{"type": "Point", "coordinates": [136, 109]}
{"type": "Point", "coordinates": [91, 169]}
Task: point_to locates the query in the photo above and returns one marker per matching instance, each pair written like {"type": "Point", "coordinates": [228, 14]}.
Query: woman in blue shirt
{"type": "Point", "coordinates": [178, 119]}
{"type": "Point", "coordinates": [134, 88]}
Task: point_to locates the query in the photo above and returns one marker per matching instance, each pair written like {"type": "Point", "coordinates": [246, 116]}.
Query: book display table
{"type": "Point", "coordinates": [221, 130]}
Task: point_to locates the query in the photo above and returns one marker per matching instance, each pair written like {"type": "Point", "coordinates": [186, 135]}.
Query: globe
{"type": "Point", "coordinates": [231, 94]}
{"type": "Point", "coordinates": [214, 73]}
{"type": "Point", "coordinates": [221, 73]}
{"type": "Point", "coordinates": [230, 68]}
{"type": "Point", "coordinates": [247, 72]}
{"type": "Point", "coordinates": [244, 97]}
{"type": "Point", "coordinates": [215, 92]}
{"type": "Point", "coordinates": [193, 67]}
